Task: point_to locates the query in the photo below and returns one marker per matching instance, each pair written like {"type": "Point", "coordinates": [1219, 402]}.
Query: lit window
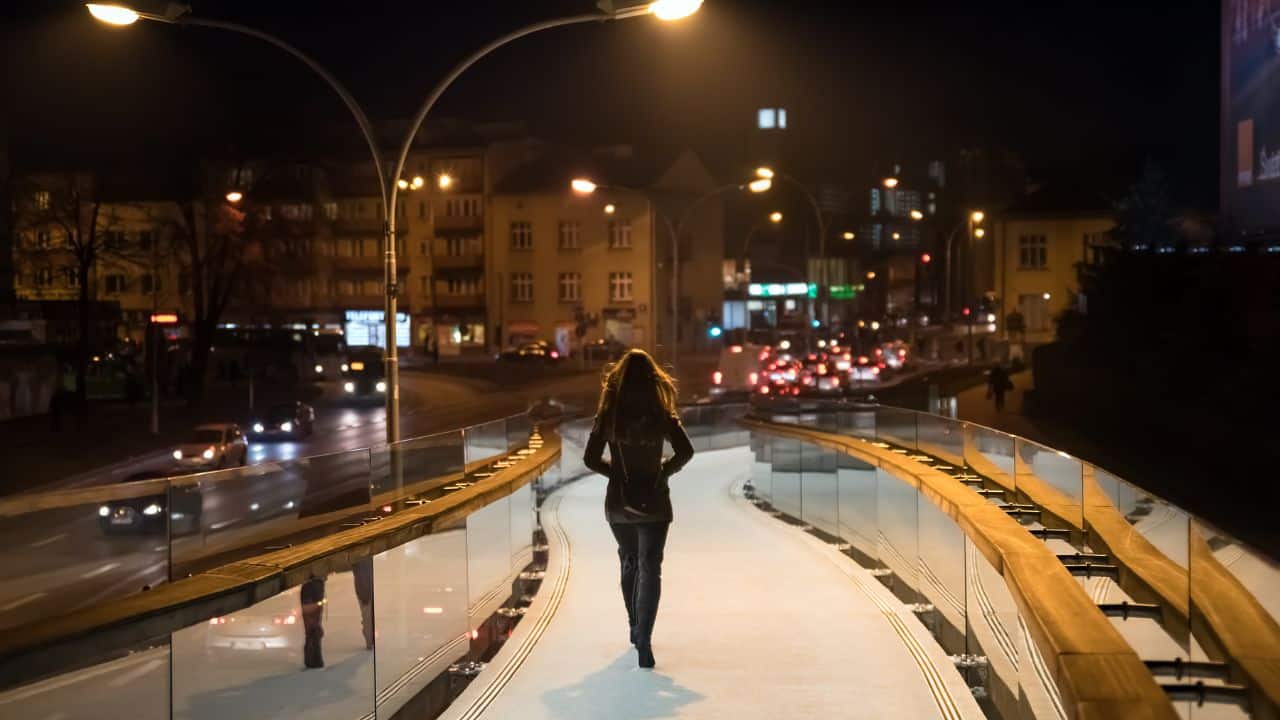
{"type": "Point", "coordinates": [570, 235]}
{"type": "Point", "coordinates": [1033, 252]}
{"type": "Point", "coordinates": [766, 119]}
{"type": "Point", "coordinates": [782, 118]}
{"type": "Point", "coordinates": [522, 287]}
{"type": "Point", "coordinates": [331, 211]}
{"type": "Point", "coordinates": [619, 234]}
{"type": "Point", "coordinates": [620, 287]}
{"type": "Point", "coordinates": [42, 200]}
{"type": "Point", "coordinates": [570, 287]}
{"type": "Point", "coordinates": [521, 235]}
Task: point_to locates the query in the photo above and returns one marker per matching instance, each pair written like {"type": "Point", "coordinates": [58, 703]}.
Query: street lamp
{"type": "Point", "coordinates": [891, 182]}
{"type": "Point", "coordinates": [973, 219]}
{"type": "Point", "coordinates": [775, 217]}
{"type": "Point", "coordinates": [235, 196]}
{"type": "Point", "coordinates": [178, 14]}
{"type": "Point", "coordinates": [444, 181]}
{"type": "Point", "coordinates": [582, 186]}
{"type": "Point", "coordinates": [849, 235]}
{"type": "Point", "coordinates": [760, 185]}
{"type": "Point", "coordinates": [917, 215]}
{"type": "Point", "coordinates": [770, 175]}
{"type": "Point", "coordinates": [610, 209]}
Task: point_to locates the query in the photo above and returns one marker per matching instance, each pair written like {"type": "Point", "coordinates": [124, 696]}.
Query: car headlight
{"type": "Point", "coordinates": [104, 511]}
{"type": "Point", "coordinates": [345, 367]}
{"type": "Point", "coordinates": [381, 386]}
{"type": "Point", "coordinates": [349, 387]}
{"type": "Point", "coordinates": [207, 454]}
{"type": "Point", "coordinates": [177, 454]}
{"type": "Point", "coordinates": [319, 369]}
{"type": "Point", "coordinates": [286, 427]}
{"type": "Point", "coordinates": [257, 427]}
{"type": "Point", "coordinates": [152, 509]}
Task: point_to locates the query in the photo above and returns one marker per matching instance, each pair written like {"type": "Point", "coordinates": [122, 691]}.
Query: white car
{"type": "Point", "coordinates": [211, 447]}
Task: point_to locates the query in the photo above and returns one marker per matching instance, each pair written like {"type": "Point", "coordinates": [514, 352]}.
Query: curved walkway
{"type": "Point", "coordinates": [758, 620]}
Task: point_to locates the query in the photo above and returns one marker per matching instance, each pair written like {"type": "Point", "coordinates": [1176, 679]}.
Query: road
{"type": "Point", "coordinates": [61, 560]}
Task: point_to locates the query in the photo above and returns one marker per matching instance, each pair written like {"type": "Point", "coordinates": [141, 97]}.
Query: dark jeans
{"type": "Point", "coordinates": [640, 551]}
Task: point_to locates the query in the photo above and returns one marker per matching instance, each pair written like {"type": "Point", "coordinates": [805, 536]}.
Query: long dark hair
{"type": "Point", "coordinates": [632, 389]}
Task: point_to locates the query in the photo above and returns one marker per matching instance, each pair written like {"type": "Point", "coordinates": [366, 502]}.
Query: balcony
{"type": "Point", "coordinates": [455, 223]}
{"type": "Point", "coordinates": [460, 301]}
{"type": "Point", "coordinates": [457, 262]}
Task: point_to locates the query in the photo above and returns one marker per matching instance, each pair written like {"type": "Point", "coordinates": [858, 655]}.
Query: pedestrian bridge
{"type": "Point", "coordinates": [826, 561]}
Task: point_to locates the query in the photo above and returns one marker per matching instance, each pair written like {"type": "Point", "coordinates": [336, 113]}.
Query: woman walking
{"type": "Point", "coordinates": [637, 412]}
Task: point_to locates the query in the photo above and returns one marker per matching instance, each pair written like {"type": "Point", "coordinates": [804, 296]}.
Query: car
{"type": "Point", "coordinates": [365, 378]}
{"type": "Point", "coordinates": [738, 371]}
{"type": "Point", "coordinates": [211, 447]}
{"type": "Point", "coordinates": [539, 352]}
{"type": "Point", "coordinates": [864, 369]}
{"type": "Point", "coordinates": [146, 513]}
{"type": "Point", "coordinates": [291, 420]}
{"type": "Point", "coordinates": [820, 375]}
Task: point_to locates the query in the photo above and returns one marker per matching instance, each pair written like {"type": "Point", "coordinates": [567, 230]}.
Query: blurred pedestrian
{"type": "Point", "coordinates": [998, 383]}
{"type": "Point", "coordinates": [362, 576]}
{"type": "Point", "coordinates": [312, 598]}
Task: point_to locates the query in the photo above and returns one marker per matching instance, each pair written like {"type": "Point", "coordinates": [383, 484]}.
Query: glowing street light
{"type": "Point", "coordinates": [402, 184]}
{"type": "Point", "coordinates": [444, 181]}
{"type": "Point", "coordinates": [1048, 296]}
{"type": "Point", "coordinates": [897, 236]}
{"type": "Point", "coordinates": [875, 324]}
{"type": "Point", "coordinates": [235, 196]}
{"type": "Point", "coordinates": [417, 182]}
{"type": "Point", "coordinates": [849, 235]}
{"type": "Point", "coordinates": [113, 14]}
{"type": "Point", "coordinates": [917, 215]}
{"type": "Point", "coordinates": [978, 216]}
{"type": "Point", "coordinates": [760, 185]}
{"type": "Point", "coordinates": [775, 217]}
{"type": "Point", "coordinates": [871, 274]}
{"type": "Point", "coordinates": [891, 182]}
{"type": "Point", "coordinates": [979, 233]}
{"type": "Point", "coordinates": [674, 9]}
{"type": "Point", "coordinates": [582, 186]}
{"type": "Point", "coordinates": [610, 209]}
{"type": "Point", "coordinates": [764, 172]}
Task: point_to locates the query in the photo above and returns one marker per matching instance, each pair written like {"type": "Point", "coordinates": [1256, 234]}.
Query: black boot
{"type": "Point", "coordinates": [633, 634]}
{"type": "Point", "coordinates": [646, 656]}
{"type": "Point", "coordinates": [311, 656]}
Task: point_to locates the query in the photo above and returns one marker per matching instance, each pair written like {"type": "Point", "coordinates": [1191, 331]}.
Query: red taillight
{"type": "Point", "coordinates": [848, 356]}
{"type": "Point", "coordinates": [835, 380]}
{"type": "Point", "coordinates": [717, 377]}
{"type": "Point", "coordinates": [879, 352]}
{"type": "Point", "coordinates": [735, 348]}
{"type": "Point", "coordinates": [875, 371]}
{"type": "Point", "coordinates": [753, 378]}
{"type": "Point", "coordinates": [822, 368]}
{"type": "Point", "coordinates": [880, 366]}
{"type": "Point", "coordinates": [902, 352]}
{"type": "Point", "coordinates": [764, 355]}
{"type": "Point", "coordinates": [863, 359]}
{"type": "Point", "coordinates": [764, 389]}
{"type": "Point", "coordinates": [555, 354]}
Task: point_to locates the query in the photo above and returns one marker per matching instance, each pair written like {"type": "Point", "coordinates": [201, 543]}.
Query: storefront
{"type": "Point", "coordinates": [367, 327]}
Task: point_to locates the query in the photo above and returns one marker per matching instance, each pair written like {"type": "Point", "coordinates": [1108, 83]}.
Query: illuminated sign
{"type": "Point", "coordinates": [779, 289]}
{"type": "Point", "coordinates": [164, 318]}
{"type": "Point", "coordinates": [846, 292]}
{"type": "Point", "coordinates": [357, 366]}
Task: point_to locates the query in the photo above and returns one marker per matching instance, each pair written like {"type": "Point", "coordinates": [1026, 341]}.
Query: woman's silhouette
{"type": "Point", "coordinates": [637, 413]}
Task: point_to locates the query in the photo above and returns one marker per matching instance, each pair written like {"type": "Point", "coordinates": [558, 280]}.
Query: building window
{"type": "Point", "coordinates": [70, 277]}
{"type": "Point", "coordinates": [522, 287]}
{"type": "Point", "coordinates": [771, 119]}
{"type": "Point", "coordinates": [370, 287]}
{"type": "Point", "coordinates": [44, 277]}
{"type": "Point", "coordinates": [1033, 252]}
{"type": "Point", "coordinates": [521, 235]}
{"type": "Point", "coordinates": [330, 211]}
{"type": "Point", "coordinates": [422, 209]}
{"type": "Point", "coordinates": [570, 287]}
{"type": "Point", "coordinates": [346, 247]}
{"type": "Point", "coordinates": [463, 286]}
{"type": "Point", "coordinates": [1035, 311]}
{"type": "Point", "coordinates": [114, 283]}
{"type": "Point", "coordinates": [42, 200]}
{"type": "Point", "coordinates": [620, 286]}
{"type": "Point", "coordinates": [463, 206]}
{"type": "Point", "coordinates": [145, 238]}
{"type": "Point", "coordinates": [150, 284]}
{"type": "Point", "coordinates": [42, 240]}
{"type": "Point", "coordinates": [570, 235]}
{"type": "Point", "coordinates": [619, 234]}
{"type": "Point", "coordinates": [463, 245]}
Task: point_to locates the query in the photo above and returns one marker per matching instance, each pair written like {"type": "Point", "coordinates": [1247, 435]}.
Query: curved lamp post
{"type": "Point", "coordinates": [771, 174]}
{"type": "Point", "coordinates": [389, 183]}
{"type": "Point", "coordinates": [973, 219]}
{"type": "Point", "coordinates": [586, 186]}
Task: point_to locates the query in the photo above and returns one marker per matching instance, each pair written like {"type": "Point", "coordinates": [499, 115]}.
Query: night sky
{"type": "Point", "coordinates": [1083, 88]}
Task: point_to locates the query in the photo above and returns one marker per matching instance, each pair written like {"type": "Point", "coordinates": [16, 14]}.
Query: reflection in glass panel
{"type": "Point", "coordinates": [761, 466]}
{"type": "Point", "coordinates": [942, 575]}
{"type": "Point", "coordinates": [485, 441]}
{"type": "Point", "coordinates": [521, 506]}
{"type": "Point", "coordinates": [1051, 480]}
{"type": "Point", "coordinates": [421, 610]}
{"type": "Point", "coordinates": [857, 508]}
{"type": "Point", "coordinates": [989, 453]}
{"type": "Point", "coordinates": [941, 437]}
{"type": "Point", "coordinates": [994, 633]}
{"type": "Point", "coordinates": [419, 465]}
{"type": "Point", "coordinates": [818, 487]}
{"type": "Point", "coordinates": [518, 429]}
{"type": "Point", "coordinates": [133, 683]}
{"type": "Point", "coordinates": [897, 521]}
{"type": "Point", "coordinates": [306, 652]}
{"type": "Point", "coordinates": [896, 426]}
{"type": "Point", "coordinates": [786, 476]}
{"type": "Point", "coordinates": [1040, 693]}
{"type": "Point", "coordinates": [488, 559]}
{"type": "Point", "coordinates": [859, 423]}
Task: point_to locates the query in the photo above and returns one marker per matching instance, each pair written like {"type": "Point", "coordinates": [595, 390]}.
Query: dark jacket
{"type": "Point", "coordinates": [638, 490]}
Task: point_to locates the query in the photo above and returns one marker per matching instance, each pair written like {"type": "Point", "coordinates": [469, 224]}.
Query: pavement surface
{"type": "Point", "coordinates": [757, 620]}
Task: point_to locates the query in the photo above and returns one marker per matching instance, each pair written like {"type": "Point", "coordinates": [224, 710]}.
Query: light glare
{"type": "Point", "coordinates": [979, 216]}
{"type": "Point", "coordinates": [235, 196]}
{"type": "Point", "coordinates": [582, 186]}
{"type": "Point", "coordinates": [444, 181]}
{"type": "Point", "coordinates": [775, 217]}
{"type": "Point", "coordinates": [113, 14]}
{"type": "Point", "coordinates": [764, 172]}
{"type": "Point", "coordinates": [674, 9]}
{"type": "Point", "coordinates": [761, 185]}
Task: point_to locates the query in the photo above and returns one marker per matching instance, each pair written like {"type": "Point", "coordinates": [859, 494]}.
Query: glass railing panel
{"type": "Point", "coordinates": [942, 573]}
{"type": "Point", "coordinates": [1229, 575]}
{"type": "Point", "coordinates": [520, 505]}
{"type": "Point", "coordinates": [994, 634]}
{"type": "Point", "coordinates": [942, 438]}
{"type": "Point", "coordinates": [898, 522]}
{"type": "Point", "coordinates": [420, 602]}
{"type": "Point", "coordinates": [417, 466]}
{"type": "Point", "coordinates": [896, 426]}
{"type": "Point", "coordinates": [265, 661]}
{"type": "Point", "coordinates": [488, 559]}
{"type": "Point", "coordinates": [1041, 696]}
{"type": "Point", "coordinates": [858, 423]}
{"type": "Point", "coordinates": [786, 476]}
{"type": "Point", "coordinates": [990, 454]}
{"type": "Point", "coordinates": [762, 466]}
{"type": "Point", "coordinates": [573, 445]}
{"type": "Point", "coordinates": [857, 509]}
{"type": "Point", "coordinates": [77, 549]}
{"type": "Point", "coordinates": [818, 485]}
{"type": "Point", "coordinates": [1051, 480]}
{"type": "Point", "coordinates": [132, 683]}
{"type": "Point", "coordinates": [246, 511]}
{"type": "Point", "coordinates": [518, 429]}
{"type": "Point", "coordinates": [485, 441]}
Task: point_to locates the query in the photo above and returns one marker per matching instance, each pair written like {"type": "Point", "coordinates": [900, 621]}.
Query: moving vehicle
{"type": "Point", "coordinates": [289, 420]}
{"type": "Point", "coordinates": [146, 513]}
{"type": "Point", "coordinates": [820, 375]}
{"type": "Point", "coordinates": [211, 447]}
{"type": "Point", "coordinates": [365, 378]}
{"type": "Point", "coordinates": [738, 371]}
{"type": "Point", "coordinates": [536, 353]}
{"type": "Point", "coordinates": [330, 354]}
